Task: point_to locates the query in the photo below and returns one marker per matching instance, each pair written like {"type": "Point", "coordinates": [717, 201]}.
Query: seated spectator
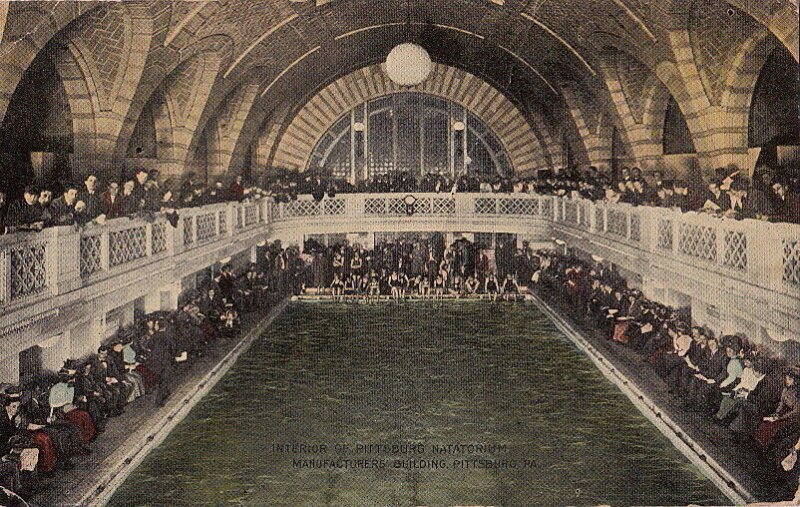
{"type": "Point", "coordinates": [786, 416]}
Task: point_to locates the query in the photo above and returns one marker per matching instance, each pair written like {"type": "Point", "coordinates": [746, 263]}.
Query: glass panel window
{"type": "Point", "coordinates": [411, 132]}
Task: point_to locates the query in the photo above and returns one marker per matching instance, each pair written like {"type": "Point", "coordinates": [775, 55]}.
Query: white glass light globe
{"type": "Point", "coordinates": [408, 64]}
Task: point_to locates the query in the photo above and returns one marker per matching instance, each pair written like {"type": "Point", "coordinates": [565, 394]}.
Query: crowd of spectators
{"type": "Point", "coordinates": [425, 268]}
{"type": "Point", "coordinates": [48, 421]}
{"type": "Point", "coordinates": [728, 193]}
{"type": "Point", "coordinates": [732, 382]}
{"type": "Point", "coordinates": [141, 196]}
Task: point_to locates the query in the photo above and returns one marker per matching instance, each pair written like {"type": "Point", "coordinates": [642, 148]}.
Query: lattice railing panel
{"type": "Point", "coordinates": [526, 207]}
{"type": "Point", "coordinates": [301, 209]}
{"type": "Point", "coordinates": [222, 219]}
{"type": "Point", "coordinates": [375, 206]}
{"type": "Point", "coordinates": [188, 231]}
{"type": "Point", "coordinates": [791, 261]}
{"type": "Point", "coordinates": [91, 255]}
{"type": "Point", "coordinates": [735, 255]}
{"type": "Point", "coordinates": [599, 219]}
{"type": "Point", "coordinates": [571, 212]}
{"type": "Point", "coordinates": [240, 217]}
{"type": "Point", "coordinates": [159, 241]}
{"type": "Point", "coordinates": [423, 206]}
{"type": "Point", "coordinates": [4, 288]}
{"type": "Point", "coordinates": [127, 245]}
{"type": "Point", "coordinates": [333, 207]}
{"type": "Point", "coordinates": [547, 208]}
{"type": "Point", "coordinates": [584, 220]}
{"type": "Point", "coordinates": [28, 270]}
{"type": "Point", "coordinates": [665, 234]}
{"type": "Point", "coordinates": [443, 206]}
{"type": "Point", "coordinates": [485, 206]}
{"type": "Point", "coordinates": [636, 227]}
{"type": "Point", "coordinates": [206, 226]}
{"type": "Point", "coordinates": [617, 223]}
{"type": "Point", "coordinates": [698, 241]}
{"type": "Point", "coordinates": [251, 215]}
{"type": "Point", "coordinates": [397, 206]}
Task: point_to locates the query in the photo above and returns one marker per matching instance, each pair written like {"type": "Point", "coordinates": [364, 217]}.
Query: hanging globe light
{"type": "Point", "coordinates": [408, 64]}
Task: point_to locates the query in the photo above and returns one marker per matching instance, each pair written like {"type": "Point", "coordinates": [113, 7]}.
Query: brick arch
{"type": "Point", "coordinates": [781, 19]}
{"type": "Point", "coordinates": [743, 74]}
{"type": "Point", "coordinates": [29, 28]}
{"type": "Point", "coordinates": [181, 100]}
{"type": "Point", "coordinates": [321, 112]}
{"type": "Point", "coordinates": [159, 69]}
{"type": "Point", "coordinates": [101, 68]}
{"type": "Point", "coordinates": [226, 127]}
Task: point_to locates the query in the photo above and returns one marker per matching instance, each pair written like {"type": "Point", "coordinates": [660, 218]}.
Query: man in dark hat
{"type": "Point", "coordinates": [680, 198]}
{"type": "Point", "coordinates": [746, 202]}
{"type": "Point", "coordinates": [715, 198]}
{"type": "Point", "coordinates": [665, 194]}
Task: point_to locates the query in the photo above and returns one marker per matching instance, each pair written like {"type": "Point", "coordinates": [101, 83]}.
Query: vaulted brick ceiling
{"type": "Point", "coordinates": [290, 49]}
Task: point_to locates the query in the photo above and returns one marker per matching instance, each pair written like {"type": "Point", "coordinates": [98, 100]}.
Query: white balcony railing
{"type": "Point", "coordinates": [762, 254]}
{"type": "Point", "coordinates": [57, 260]}
{"type": "Point", "coordinates": [34, 266]}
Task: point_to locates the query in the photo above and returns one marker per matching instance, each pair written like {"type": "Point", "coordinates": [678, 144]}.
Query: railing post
{"type": "Point", "coordinates": [5, 276]}
{"type": "Point", "coordinates": [720, 241]}
{"type": "Point", "coordinates": [63, 259]}
{"type": "Point", "coordinates": [105, 251]}
{"type": "Point", "coordinates": [177, 247]}
{"type": "Point", "coordinates": [148, 249]}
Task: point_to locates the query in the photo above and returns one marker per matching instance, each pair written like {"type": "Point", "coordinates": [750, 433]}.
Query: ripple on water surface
{"type": "Point", "coordinates": [447, 374]}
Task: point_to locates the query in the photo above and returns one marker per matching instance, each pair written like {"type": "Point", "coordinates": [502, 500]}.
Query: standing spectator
{"type": "Point", "coordinates": [45, 201]}
{"type": "Point", "coordinates": [24, 212]}
{"type": "Point", "coordinates": [129, 205]}
{"type": "Point", "coordinates": [161, 361]}
{"type": "Point", "coordinates": [111, 204]}
{"type": "Point", "coordinates": [63, 208]}
{"type": "Point", "coordinates": [91, 197]}
{"type": "Point", "coordinates": [787, 203]}
{"type": "Point", "coordinates": [140, 188]}
{"type": "Point", "coordinates": [3, 212]}
{"type": "Point", "coordinates": [236, 190]}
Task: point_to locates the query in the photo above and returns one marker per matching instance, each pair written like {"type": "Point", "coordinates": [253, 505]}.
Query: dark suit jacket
{"type": "Point", "coordinates": [111, 209]}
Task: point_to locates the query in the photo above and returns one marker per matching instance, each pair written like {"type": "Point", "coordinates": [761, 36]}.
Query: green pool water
{"type": "Point", "coordinates": [456, 404]}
